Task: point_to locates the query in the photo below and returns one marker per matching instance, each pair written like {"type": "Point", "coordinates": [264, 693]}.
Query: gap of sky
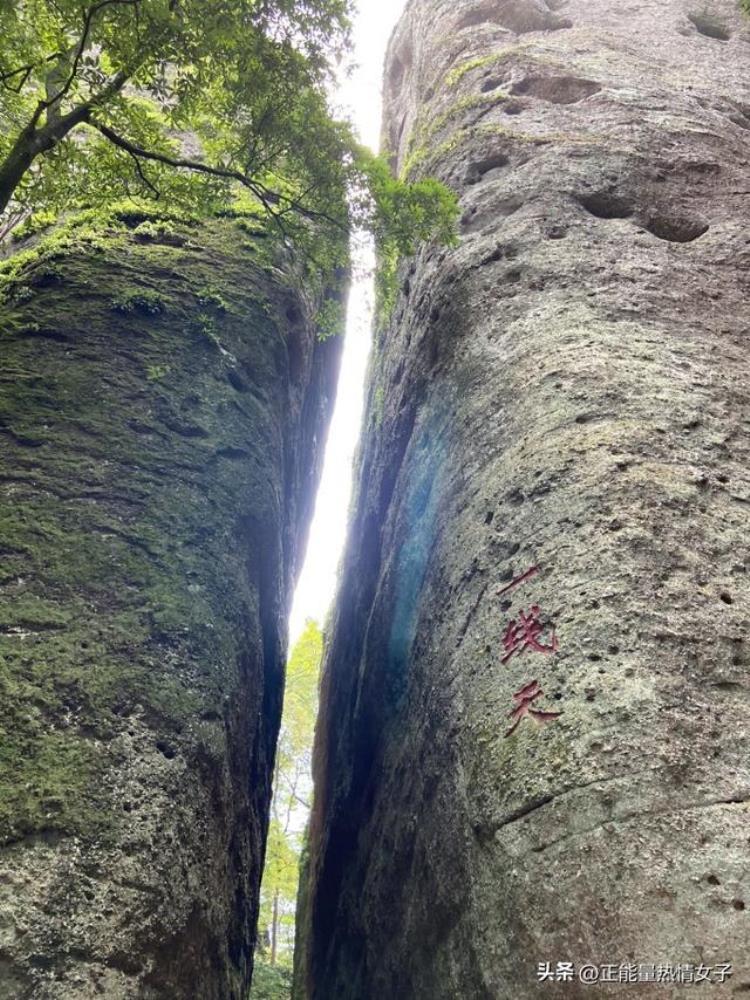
{"type": "Point", "coordinates": [359, 99]}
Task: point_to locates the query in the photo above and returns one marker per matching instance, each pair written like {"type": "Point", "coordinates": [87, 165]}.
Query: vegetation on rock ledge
{"type": "Point", "coordinates": [199, 105]}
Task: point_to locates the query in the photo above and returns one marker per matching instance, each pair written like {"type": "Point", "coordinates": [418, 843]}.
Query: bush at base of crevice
{"type": "Point", "coordinates": [271, 982]}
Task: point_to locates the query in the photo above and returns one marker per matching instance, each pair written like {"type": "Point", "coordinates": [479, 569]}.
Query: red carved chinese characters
{"type": "Point", "coordinates": [524, 634]}
{"type": "Point", "coordinates": [524, 699]}
{"type": "Point", "coordinates": [527, 632]}
{"type": "Point", "coordinates": [519, 579]}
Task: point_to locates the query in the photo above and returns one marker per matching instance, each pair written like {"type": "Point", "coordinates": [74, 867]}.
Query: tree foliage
{"type": "Point", "coordinates": [407, 213]}
{"type": "Point", "coordinates": [190, 102]}
{"type": "Point", "coordinates": [271, 982]}
{"type": "Point", "coordinates": [291, 799]}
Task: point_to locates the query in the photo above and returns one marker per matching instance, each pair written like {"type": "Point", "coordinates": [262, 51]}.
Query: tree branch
{"type": "Point", "coordinates": [144, 178]}
{"type": "Point", "coordinates": [81, 46]}
{"type": "Point", "coordinates": [266, 196]}
{"type": "Point", "coordinates": [26, 71]}
{"type": "Point", "coordinates": [170, 161]}
{"type": "Point", "coordinates": [15, 220]}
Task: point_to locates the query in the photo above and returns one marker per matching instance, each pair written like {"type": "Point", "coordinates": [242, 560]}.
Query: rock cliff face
{"type": "Point", "coordinates": [163, 398]}
{"type": "Point", "coordinates": [533, 741]}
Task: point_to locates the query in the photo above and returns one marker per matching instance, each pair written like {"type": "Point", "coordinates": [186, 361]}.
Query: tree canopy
{"type": "Point", "coordinates": [193, 103]}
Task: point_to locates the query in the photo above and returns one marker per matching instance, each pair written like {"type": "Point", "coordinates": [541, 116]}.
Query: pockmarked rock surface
{"type": "Point", "coordinates": [563, 398]}
{"type": "Point", "coordinates": [163, 398]}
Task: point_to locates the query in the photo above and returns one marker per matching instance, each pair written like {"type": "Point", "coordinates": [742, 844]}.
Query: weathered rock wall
{"type": "Point", "coordinates": [163, 399]}
{"type": "Point", "coordinates": [563, 398]}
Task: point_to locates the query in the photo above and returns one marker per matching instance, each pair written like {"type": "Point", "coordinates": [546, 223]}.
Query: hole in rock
{"type": "Point", "coordinates": [479, 170]}
{"type": "Point", "coordinates": [497, 254]}
{"type": "Point", "coordinates": [520, 16]}
{"type": "Point", "coordinates": [473, 17]}
{"type": "Point", "coordinates": [164, 748]}
{"type": "Point", "coordinates": [726, 598]}
{"type": "Point", "coordinates": [605, 205]}
{"type": "Point", "coordinates": [526, 16]}
{"type": "Point", "coordinates": [677, 230]}
{"type": "Point", "coordinates": [741, 116]}
{"type": "Point", "coordinates": [738, 904]}
{"type": "Point", "coordinates": [492, 84]}
{"type": "Point", "coordinates": [557, 89]}
{"type": "Point", "coordinates": [713, 880]}
{"type": "Point", "coordinates": [504, 208]}
{"type": "Point", "coordinates": [236, 381]}
{"type": "Point", "coordinates": [710, 26]}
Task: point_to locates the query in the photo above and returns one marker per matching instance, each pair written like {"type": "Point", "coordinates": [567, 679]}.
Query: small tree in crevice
{"type": "Point", "coordinates": [290, 808]}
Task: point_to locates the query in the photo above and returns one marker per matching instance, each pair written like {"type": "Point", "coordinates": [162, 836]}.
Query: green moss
{"type": "Point", "coordinates": [32, 612]}
{"type": "Point", "coordinates": [38, 222]}
{"type": "Point", "coordinates": [206, 326]}
{"type": "Point", "coordinates": [211, 298]}
{"type": "Point", "coordinates": [426, 129]}
{"type": "Point", "coordinates": [427, 159]}
{"type": "Point", "coordinates": [378, 405]}
{"type": "Point", "coordinates": [21, 293]}
{"type": "Point", "coordinates": [497, 58]}
{"type": "Point", "coordinates": [158, 230]}
{"type": "Point", "coordinates": [154, 373]}
{"type": "Point", "coordinates": [45, 778]}
{"type": "Point", "coordinates": [386, 284]}
{"type": "Point", "coordinates": [148, 302]}
{"type": "Point", "coordinates": [123, 572]}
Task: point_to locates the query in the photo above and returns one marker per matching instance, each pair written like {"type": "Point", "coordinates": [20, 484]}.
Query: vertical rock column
{"type": "Point", "coordinates": [552, 523]}
{"type": "Point", "coordinates": [163, 398]}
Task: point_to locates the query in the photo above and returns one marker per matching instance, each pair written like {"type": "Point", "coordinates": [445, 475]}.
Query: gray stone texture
{"type": "Point", "coordinates": [163, 398]}
{"type": "Point", "coordinates": [567, 390]}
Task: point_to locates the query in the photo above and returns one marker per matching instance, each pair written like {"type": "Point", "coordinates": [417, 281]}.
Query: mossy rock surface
{"type": "Point", "coordinates": [160, 393]}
